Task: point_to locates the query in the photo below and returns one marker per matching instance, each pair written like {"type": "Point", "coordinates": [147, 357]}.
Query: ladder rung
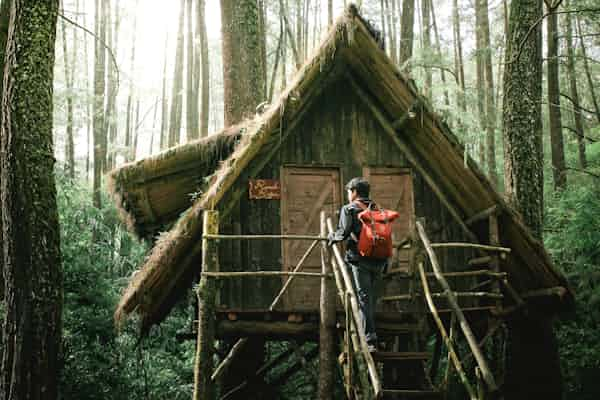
{"type": "Point", "coordinates": [480, 261]}
{"type": "Point", "coordinates": [400, 356]}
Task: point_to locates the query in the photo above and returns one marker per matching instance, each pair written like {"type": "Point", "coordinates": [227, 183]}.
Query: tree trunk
{"type": "Point", "coordinates": [329, 12]}
{"type": "Point", "coordinates": [407, 34]}
{"type": "Point", "coordinates": [111, 107]}
{"type": "Point", "coordinates": [31, 259]}
{"type": "Point", "coordinates": [523, 164]}
{"type": "Point", "coordinates": [98, 107]}
{"type": "Point", "coordinates": [4, 21]}
{"type": "Point", "coordinates": [89, 104]}
{"type": "Point", "coordinates": [192, 129]}
{"type": "Point", "coordinates": [136, 130]}
{"type": "Point", "coordinates": [573, 90]}
{"type": "Point", "coordinates": [69, 143]}
{"type": "Point", "coordinates": [426, 34]}
{"type": "Point", "coordinates": [129, 127]}
{"type": "Point", "coordinates": [479, 68]}
{"type": "Point", "coordinates": [586, 66]}
{"type": "Point", "coordinates": [438, 48]}
{"type": "Point", "coordinates": [243, 91]}
{"type": "Point", "coordinates": [559, 173]}
{"type": "Point", "coordinates": [389, 12]}
{"type": "Point", "coordinates": [490, 106]}
{"type": "Point", "coordinates": [242, 70]}
{"type": "Point", "coordinates": [177, 95]}
{"type": "Point", "coordinates": [164, 122]}
{"type": "Point", "coordinates": [458, 59]}
{"type": "Point", "coordinates": [205, 81]}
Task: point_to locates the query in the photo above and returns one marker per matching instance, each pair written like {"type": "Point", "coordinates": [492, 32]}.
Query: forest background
{"type": "Point", "coordinates": [137, 77]}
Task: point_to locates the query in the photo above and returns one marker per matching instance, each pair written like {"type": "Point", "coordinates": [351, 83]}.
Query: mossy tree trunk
{"type": "Point", "coordinates": [559, 173]}
{"type": "Point", "coordinates": [242, 66]}
{"type": "Point", "coordinates": [523, 163]}
{"type": "Point", "coordinates": [4, 20]}
{"type": "Point", "coordinates": [243, 91]}
{"type": "Point", "coordinates": [32, 260]}
{"type": "Point", "coordinates": [533, 369]}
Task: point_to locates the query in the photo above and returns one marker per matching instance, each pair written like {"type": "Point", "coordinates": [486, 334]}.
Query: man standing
{"type": "Point", "coordinates": [366, 272]}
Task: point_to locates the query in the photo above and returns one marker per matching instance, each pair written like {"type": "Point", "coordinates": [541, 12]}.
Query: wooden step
{"type": "Point", "coordinates": [391, 356]}
{"type": "Point", "coordinates": [404, 393]}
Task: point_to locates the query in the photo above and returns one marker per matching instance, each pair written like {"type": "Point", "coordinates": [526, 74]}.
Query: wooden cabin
{"type": "Point", "coordinates": [348, 112]}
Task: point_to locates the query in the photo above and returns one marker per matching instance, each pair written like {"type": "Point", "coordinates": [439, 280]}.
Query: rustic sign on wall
{"type": "Point", "coordinates": [264, 189]}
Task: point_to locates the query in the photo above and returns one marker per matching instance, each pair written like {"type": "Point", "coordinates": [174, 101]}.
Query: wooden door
{"type": "Point", "coordinates": [305, 192]}
{"type": "Point", "coordinates": [391, 188]}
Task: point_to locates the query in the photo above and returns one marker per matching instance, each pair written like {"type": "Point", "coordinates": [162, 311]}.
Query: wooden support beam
{"type": "Point", "coordinates": [271, 330]}
{"type": "Point", "coordinates": [203, 388]}
{"type": "Point", "coordinates": [224, 365]}
{"type": "Point", "coordinates": [410, 156]}
{"type": "Point", "coordinates": [466, 329]}
{"type": "Point", "coordinates": [326, 322]}
{"type": "Point", "coordinates": [484, 214]}
{"type": "Point", "coordinates": [409, 114]}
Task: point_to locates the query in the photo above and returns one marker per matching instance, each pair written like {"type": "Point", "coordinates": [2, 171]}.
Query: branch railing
{"type": "Point", "coordinates": [355, 336]}
{"type": "Point", "coordinates": [483, 371]}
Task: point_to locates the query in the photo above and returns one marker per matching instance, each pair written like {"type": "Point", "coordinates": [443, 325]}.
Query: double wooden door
{"type": "Point", "coordinates": [305, 192]}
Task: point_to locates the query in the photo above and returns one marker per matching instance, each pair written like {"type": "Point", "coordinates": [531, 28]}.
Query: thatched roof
{"type": "Point", "coordinates": [350, 49]}
{"type": "Point", "coordinates": [151, 193]}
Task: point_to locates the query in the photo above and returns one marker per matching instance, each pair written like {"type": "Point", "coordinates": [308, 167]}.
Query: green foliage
{"type": "Point", "coordinates": [98, 257]}
{"type": "Point", "coordinates": [573, 237]}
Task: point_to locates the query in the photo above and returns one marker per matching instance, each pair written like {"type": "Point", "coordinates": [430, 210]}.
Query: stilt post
{"type": "Point", "coordinates": [203, 368]}
{"type": "Point", "coordinates": [327, 322]}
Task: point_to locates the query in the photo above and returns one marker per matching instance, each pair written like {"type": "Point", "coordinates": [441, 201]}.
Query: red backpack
{"type": "Point", "coordinates": [375, 239]}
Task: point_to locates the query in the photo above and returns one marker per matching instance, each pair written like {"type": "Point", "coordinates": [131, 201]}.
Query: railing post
{"type": "Point", "coordinates": [203, 388]}
{"type": "Point", "coordinates": [327, 322]}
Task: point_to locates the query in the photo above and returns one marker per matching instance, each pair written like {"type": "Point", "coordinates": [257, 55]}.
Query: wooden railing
{"type": "Point", "coordinates": [483, 371]}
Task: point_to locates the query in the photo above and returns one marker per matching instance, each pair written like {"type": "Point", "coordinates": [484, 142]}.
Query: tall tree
{"type": "Point", "coordinates": [389, 12]}
{"type": "Point", "coordinates": [205, 68]}
{"type": "Point", "coordinates": [112, 117]}
{"type": "Point", "coordinates": [98, 106]}
{"type": "Point", "coordinates": [490, 106]}
{"type": "Point", "coordinates": [479, 67]}
{"type": "Point", "coordinates": [532, 354]}
{"type": "Point", "coordinates": [177, 94]}
{"type": "Point", "coordinates": [69, 78]}
{"type": "Point", "coordinates": [329, 12]}
{"type": "Point", "coordinates": [426, 37]}
{"type": "Point", "coordinates": [164, 121]}
{"type": "Point", "coordinates": [574, 92]}
{"type": "Point", "coordinates": [407, 23]}
{"type": "Point", "coordinates": [129, 122]}
{"type": "Point", "coordinates": [192, 128]}
{"type": "Point", "coordinates": [438, 48]}
{"type": "Point", "coordinates": [242, 70]}
{"type": "Point", "coordinates": [559, 173]}
{"type": "Point", "coordinates": [4, 21]}
{"type": "Point", "coordinates": [31, 257]}
{"type": "Point", "coordinates": [458, 58]}
{"type": "Point", "coordinates": [243, 91]}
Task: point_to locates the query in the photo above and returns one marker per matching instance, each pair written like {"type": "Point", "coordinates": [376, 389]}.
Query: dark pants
{"type": "Point", "coordinates": [367, 278]}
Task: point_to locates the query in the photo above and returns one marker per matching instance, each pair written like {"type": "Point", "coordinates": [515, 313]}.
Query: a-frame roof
{"type": "Point", "coordinates": [350, 51]}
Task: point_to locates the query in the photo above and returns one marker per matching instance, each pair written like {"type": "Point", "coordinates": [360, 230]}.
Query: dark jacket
{"type": "Point", "coordinates": [348, 229]}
